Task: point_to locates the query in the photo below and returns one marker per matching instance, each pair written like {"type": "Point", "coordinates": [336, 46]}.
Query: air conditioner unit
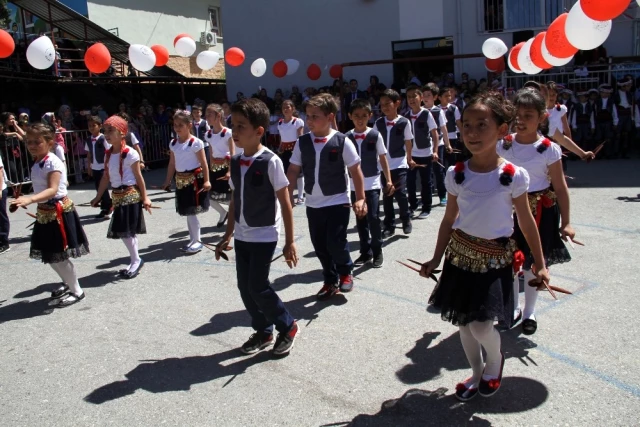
{"type": "Point", "coordinates": [208, 38]}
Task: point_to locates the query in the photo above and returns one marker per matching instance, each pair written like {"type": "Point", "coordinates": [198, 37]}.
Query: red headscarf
{"type": "Point", "coordinates": [118, 123]}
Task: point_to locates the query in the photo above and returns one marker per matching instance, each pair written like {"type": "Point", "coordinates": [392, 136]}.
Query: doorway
{"type": "Point", "coordinates": [426, 71]}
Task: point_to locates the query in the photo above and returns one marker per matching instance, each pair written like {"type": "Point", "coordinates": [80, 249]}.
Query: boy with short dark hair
{"type": "Point", "coordinates": [583, 121]}
{"type": "Point", "coordinates": [454, 124]}
{"type": "Point", "coordinates": [200, 128]}
{"type": "Point", "coordinates": [323, 156]}
{"type": "Point", "coordinates": [430, 94]}
{"type": "Point", "coordinates": [259, 202]}
{"type": "Point", "coordinates": [370, 147]}
{"type": "Point", "coordinates": [96, 148]}
{"type": "Point", "coordinates": [398, 139]}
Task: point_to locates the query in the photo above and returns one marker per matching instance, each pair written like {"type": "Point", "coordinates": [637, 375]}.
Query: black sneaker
{"type": "Point", "coordinates": [407, 228]}
{"type": "Point", "coordinates": [378, 260]}
{"type": "Point", "coordinates": [285, 341]}
{"type": "Point", "coordinates": [257, 342]}
{"type": "Point", "coordinates": [4, 249]}
{"type": "Point", "coordinates": [388, 232]}
{"type": "Point", "coordinates": [327, 291]}
{"type": "Point", "coordinates": [362, 260]}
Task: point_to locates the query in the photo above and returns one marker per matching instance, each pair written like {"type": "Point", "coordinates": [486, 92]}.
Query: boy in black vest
{"type": "Point", "coordinates": [323, 156]}
{"type": "Point", "coordinates": [606, 119]}
{"type": "Point", "coordinates": [425, 139]}
{"type": "Point", "coordinates": [398, 139]}
{"type": "Point", "coordinates": [430, 94]}
{"type": "Point", "coordinates": [583, 121]}
{"type": "Point", "coordinates": [452, 113]}
{"type": "Point", "coordinates": [370, 147]}
{"type": "Point", "coordinates": [259, 202]}
{"type": "Point", "coordinates": [200, 127]}
{"type": "Point", "coordinates": [96, 147]}
{"type": "Point", "coordinates": [626, 106]}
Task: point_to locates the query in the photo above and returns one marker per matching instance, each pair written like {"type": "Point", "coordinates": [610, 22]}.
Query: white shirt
{"type": "Point", "coordinates": [584, 108]}
{"type": "Point", "coordinates": [94, 163]}
{"type": "Point", "coordinates": [536, 164]}
{"type": "Point", "coordinates": [457, 116]}
{"type": "Point", "coordinates": [318, 199]}
{"type": "Point", "coordinates": [372, 182]}
{"type": "Point", "coordinates": [398, 162]}
{"type": "Point", "coordinates": [278, 180]}
{"type": "Point", "coordinates": [485, 205]}
{"type": "Point", "coordinates": [624, 100]}
{"type": "Point", "coordinates": [220, 144]}
{"type": "Point", "coordinates": [40, 175]}
{"type": "Point", "coordinates": [289, 131]}
{"type": "Point", "coordinates": [59, 152]}
{"type": "Point", "coordinates": [424, 152]}
{"type": "Point", "coordinates": [4, 175]}
{"type": "Point", "coordinates": [185, 155]}
{"type": "Point", "coordinates": [128, 178]}
{"type": "Point", "coordinates": [555, 119]}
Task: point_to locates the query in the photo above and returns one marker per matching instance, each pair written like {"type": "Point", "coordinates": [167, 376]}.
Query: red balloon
{"type": "Point", "coordinates": [600, 10]}
{"type": "Point", "coordinates": [335, 71]}
{"type": "Point", "coordinates": [178, 37]}
{"type": "Point", "coordinates": [97, 58]}
{"type": "Point", "coordinates": [556, 40]}
{"type": "Point", "coordinates": [314, 72]}
{"type": "Point", "coordinates": [7, 45]}
{"type": "Point", "coordinates": [162, 55]}
{"type": "Point", "coordinates": [536, 52]}
{"type": "Point", "coordinates": [494, 65]}
{"type": "Point", "coordinates": [280, 69]}
{"type": "Point", "coordinates": [234, 56]}
{"type": "Point", "coordinates": [513, 55]}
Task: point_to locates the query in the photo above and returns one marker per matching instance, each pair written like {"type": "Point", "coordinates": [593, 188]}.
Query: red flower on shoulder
{"type": "Point", "coordinates": [507, 141]}
{"type": "Point", "coordinates": [459, 167]}
{"type": "Point", "coordinates": [507, 174]}
{"type": "Point", "coordinates": [509, 138]}
{"type": "Point", "coordinates": [509, 169]}
{"type": "Point", "coordinates": [546, 143]}
{"type": "Point", "coordinates": [459, 173]}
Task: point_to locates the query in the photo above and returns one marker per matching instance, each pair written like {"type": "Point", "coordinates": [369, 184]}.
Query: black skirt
{"type": "Point", "coordinates": [47, 240]}
{"type": "Point", "coordinates": [189, 199]}
{"type": "Point", "coordinates": [220, 186]}
{"type": "Point", "coordinates": [128, 216]}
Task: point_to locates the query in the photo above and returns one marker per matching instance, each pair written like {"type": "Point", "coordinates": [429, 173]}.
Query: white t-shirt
{"type": "Point", "coordinates": [536, 164]}
{"type": "Point", "coordinates": [318, 199]}
{"type": "Point", "coordinates": [555, 119]}
{"type": "Point", "coordinates": [4, 175]}
{"type": "Point", "coordinates": [219, 144]}
{"type": "Point", "coordinates": [457, 116]}
{"type": "Point", "coordinates": [425, 152]}
{"type": "Point", "coordinates": [398, 162]}
{"type": "Point", "coordinates": [289, 131]}
{"type": "Point", "coordinates": [128, 178]}
{"type": "Point", "coordinates": [185, 154]}
{"type": "Point", "coordinates": [40, 175]}
{"type": "Point", "coordinates": [485, 205]}
{"type": "Point", "coordinates": [372, 182]}
{"type": "Point", "coordinates": [278, 180]}
{"type": "Point", "coordinates": [94, 163]}
{"type": "Point", "coordinates": [59, 152]}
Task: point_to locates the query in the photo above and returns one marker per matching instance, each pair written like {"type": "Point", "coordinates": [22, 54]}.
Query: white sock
{"type": "Point", "coordinates": [132, 245]}
{"type": "Point", "coordinates": [220, 209]}
{"type": "Point", "coordinates": [300, 187]}
{"type": "Point", "coordinates": [57, 268]}
{"type": "Point", "coordinates": [530, 296]}
{"type": "Point", "coordinates": [489, 338]}
{"type": "Point", "coordinates": [194, 229]}
{"type": "Point", "coordinates": [67, 272]}
{"type": "Point", "coordinates": [516, 296]}
{"type": "Point", "coordinates": [473, 351]}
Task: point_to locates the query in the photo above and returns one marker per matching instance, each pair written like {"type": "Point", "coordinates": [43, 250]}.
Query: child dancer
{"type": "Point", "coordinates": [452, 113]}
{"type": "Point", "coordinates": [189, 164]}
{"type": "Point", "coordinates": [122, 170]}
{"type": "Point", "coordinates": [290, 129]}
{"type": "Point", "coordinates": [259, 202]}
{"type": "Point", "coordinates": [398, 139]}
{"type": "Point", "coordinates": [606, 118]}
{"type": "Point", "coordinates": [324, 156]}
{"type": "Point", "coordinates": [548, 194]}
{"type": "Point", "coordinates": [220, 140]}
{"type": "Point", "coordinates": [430, 95]}
{"type": "Point", "coordinates": [96, 149]}
{"type": "Point", "coordinates": [373, 156]}
{"type": "Point", "coordinates": [200, 129]}
{"type": "Point", "coordinates": [57, 233]}
{"type": "Point", "coordinates": [4, 218]}
{"type": "Point", "coordinates": [476, 284]}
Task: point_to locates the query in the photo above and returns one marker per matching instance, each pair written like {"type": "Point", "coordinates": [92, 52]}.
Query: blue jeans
{"type": "Point", "coordinates": [425, 184]}
{"type": "Point", "coordinates": [263, 304]}
{"type": "Point", "coordinates": [4, 219]}
{"type": "Point", "coordinates": [369, 229]}
{"type": "Point", "coordinates": [399, 177]}
{"type": "Point", "coordinates": [328, 231]}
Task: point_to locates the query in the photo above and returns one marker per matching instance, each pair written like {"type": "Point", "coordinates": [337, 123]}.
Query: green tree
{"type": "Point", "coordinates": [4, 14]}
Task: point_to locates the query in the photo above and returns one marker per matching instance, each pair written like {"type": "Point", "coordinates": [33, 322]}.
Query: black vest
{"type": "Point", "coordinates": [98, 148]}
{"type": "Point", "coordinates": [450, 114]}
{"type": "Point", "coordinates": [395, 147]}
{"type": "Point", "coordinates": [200, 130]}
{"type": "Point", "coordinates": [332, 175]}
{"type": "Point", "coordinates": [368, 154]}
{"type": "Point", "coordinates": [435, 112]}
{"type": "Point", "coordinates": [583, 113]}
{"type": "Point", "coordinates": [624, 111]}
{"type": "Point", "coordinates": [258, 203]}
{"type": "Point", "coordinates": [421, 132]}
{"type": "Point", "coordinates": [604, 114]}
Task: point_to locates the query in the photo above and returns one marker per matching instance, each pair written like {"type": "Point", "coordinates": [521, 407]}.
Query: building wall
{"type": "Point", "coordinates": [152, 22]}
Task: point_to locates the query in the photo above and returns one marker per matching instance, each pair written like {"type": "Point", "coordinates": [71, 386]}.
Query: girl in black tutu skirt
{"type": "Point", "coordinates": [189, 164]}
{"type": "Point", "coordinates": [57, 233]}
{"type": "Point", "coordinates": [476, 285]}
{"type": "Point", "coordinates": [220, 139]}
{"type": "Point", "coordinates": [129, 195]}
{"type": "Point", "coordinates": [548, 193]}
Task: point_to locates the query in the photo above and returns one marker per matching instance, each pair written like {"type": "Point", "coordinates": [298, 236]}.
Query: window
{"type": "Point", "coordinates": [214, 20]}
{"type": "Point", "coordinates": [513, 15]}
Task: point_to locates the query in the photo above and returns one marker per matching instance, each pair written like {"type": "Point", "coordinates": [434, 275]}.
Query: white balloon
{"type": "Point", "coordinates": [524, 59]}
{"type": "Point", "coordinates": [583, 32]}
{"type": "Point", "coordinates": [41, 54]}
{"type": "Point", "coordinates": [494, 48]}
{"type": "Point", "coordinates": [259, 67]}
{"type": "Point", "coordinates": [142, 57]}
{"type": "Point", "coordinates": [185, 47]}
{"type": "Point", "coordinates": [511, 67]}
{"type": "Point", "coordinates": [292, 66]}
{"type": "Point", "coordinates": [555, 61]}
{"type": "Point", "coordinates": [207, 59]}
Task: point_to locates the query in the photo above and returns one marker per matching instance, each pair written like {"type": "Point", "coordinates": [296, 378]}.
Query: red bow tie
{"type": "Point", "coordinates": [94, 138]}
{"type": "Point", "coordinates": [363, 136]}
{"type": "Point", "coordinates": [391, 123]}
{"type": "Point", "coordinates": [246, 163]}
{"type": "Point", "coordinates": [414, 117]}
{"type": "Point", "coordinates": [320, 140]}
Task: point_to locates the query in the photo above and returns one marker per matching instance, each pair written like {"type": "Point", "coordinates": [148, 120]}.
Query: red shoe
{"type": "Point", "coordinates": [346, 283]}
{"type": "Point", "coordinates": [327, 291]}
{"type": "Point", "coordinates": [465, 394]}
{"type": "Point", "coordinates": [489, 388]}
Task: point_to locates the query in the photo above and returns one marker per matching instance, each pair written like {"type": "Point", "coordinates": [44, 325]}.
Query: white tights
{"type": "Point", "coordinates": [132, 245]}
{"type": "Point", "coordinates": [300, 187]}
{"type": "Point", "coordinates": [194, 229]}
{"type": "Point", "coordinates": [67, 272]}
{"type": "Point", "coordinates": [219, 208]}
{"type": "Point", "coordinates": [530, 296]}
{"type": "Point", "coordinates": [474, 336]}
